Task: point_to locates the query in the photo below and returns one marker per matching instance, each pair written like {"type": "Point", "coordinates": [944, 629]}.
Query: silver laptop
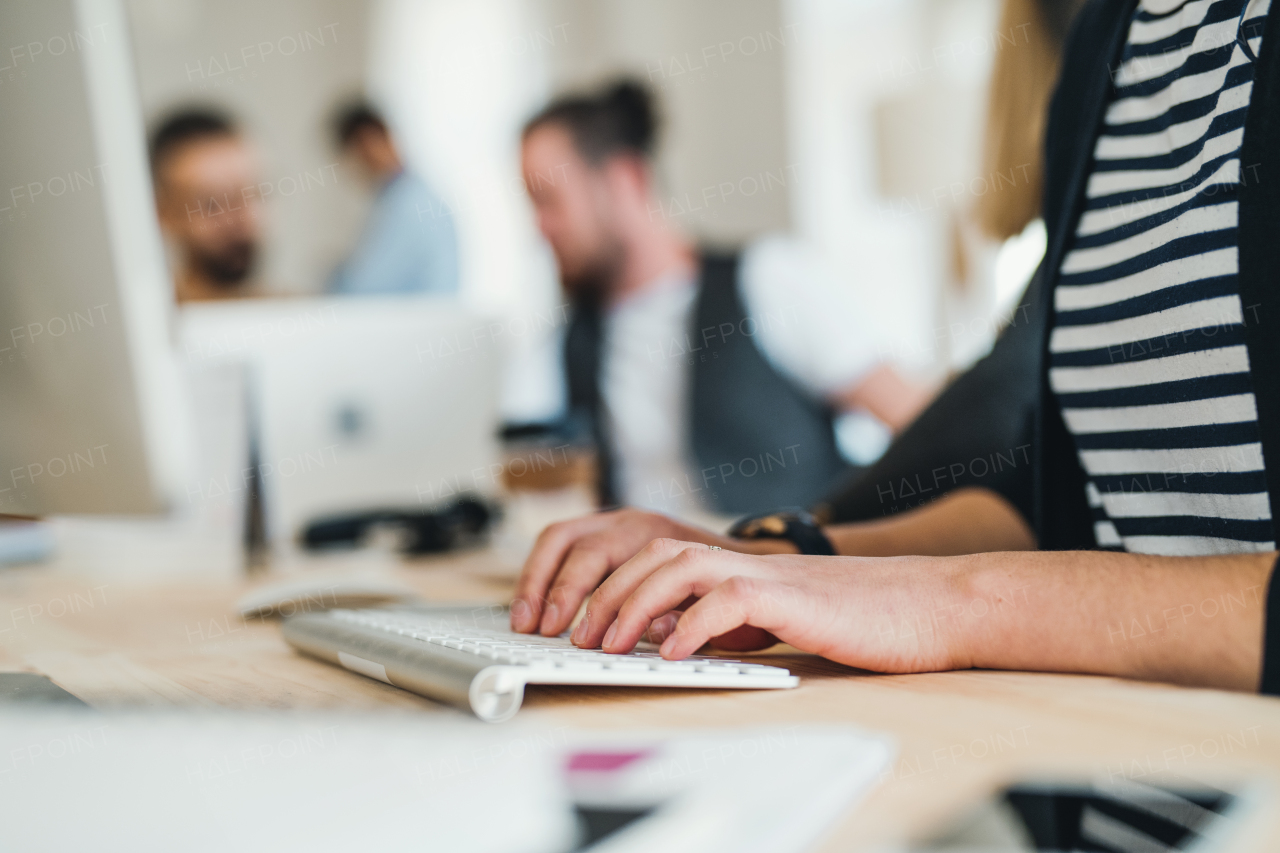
{"type": "Point", "coordinates": [359, 404]}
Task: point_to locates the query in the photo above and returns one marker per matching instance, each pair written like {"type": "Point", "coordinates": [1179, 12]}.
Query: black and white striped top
{"type": "Point", "coordinates": [1148, 358]}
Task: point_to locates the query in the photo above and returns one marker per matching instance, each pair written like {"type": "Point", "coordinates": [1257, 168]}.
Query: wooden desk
{"type": "Point", "coordinates": [119, 644]}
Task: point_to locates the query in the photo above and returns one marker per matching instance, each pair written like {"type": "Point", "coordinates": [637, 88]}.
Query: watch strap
{"type": "Point", "coordinates": [797, 527]}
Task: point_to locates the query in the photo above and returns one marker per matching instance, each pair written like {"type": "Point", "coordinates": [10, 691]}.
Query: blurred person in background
{"type": "Point", "coordinates": [708, 380]}
{"type": "Point", "coordinates": [206, 177]}
{"type": "Point", "coordinates": [408, 244]}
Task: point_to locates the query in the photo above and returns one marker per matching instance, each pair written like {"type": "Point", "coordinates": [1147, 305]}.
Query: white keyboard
{"type": "Point", "coordinates": [469, 657]}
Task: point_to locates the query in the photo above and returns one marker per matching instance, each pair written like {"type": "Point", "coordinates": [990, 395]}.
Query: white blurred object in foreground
{"type": "Point", "coordinates": [200, 782]}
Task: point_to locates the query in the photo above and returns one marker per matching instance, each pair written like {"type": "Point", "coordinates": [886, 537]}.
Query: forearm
{"type": "Point", "coordinates": [1187, 620]}
{"type": "Point", "coordinates": [966, 521]}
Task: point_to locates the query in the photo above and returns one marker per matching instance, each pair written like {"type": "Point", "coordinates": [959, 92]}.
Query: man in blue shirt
{"type": "Point", "coordinates": [408, 245]}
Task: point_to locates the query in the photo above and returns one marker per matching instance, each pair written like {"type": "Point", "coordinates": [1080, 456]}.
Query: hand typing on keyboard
{"type": "Point", "coordinates": [571, 558]}
{"type": "Point", "coordinates": [842, 608]}
{"type": "Point", "coordinates": [653, 575]}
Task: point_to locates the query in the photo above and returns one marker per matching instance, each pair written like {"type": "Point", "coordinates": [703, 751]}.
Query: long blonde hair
{"type": "Point", "coordinates": [1022, 81]}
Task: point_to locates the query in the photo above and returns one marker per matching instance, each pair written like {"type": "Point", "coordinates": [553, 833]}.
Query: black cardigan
{"type": "Point", "coordinates": [1003, 409]}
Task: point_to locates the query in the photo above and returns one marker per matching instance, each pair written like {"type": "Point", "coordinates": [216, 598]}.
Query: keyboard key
{"type": "Point", "coordinates": [581, 665]}
{"type": "Point", "coordinates": [622, 664]}
{"type": "Point", "coordinates": [758, 669]}
{"type": "Point", "coordinates": [674, 666]}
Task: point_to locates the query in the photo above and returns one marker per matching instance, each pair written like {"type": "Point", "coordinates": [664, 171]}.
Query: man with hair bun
{"type": "Point", "coordinates": [709, 380]}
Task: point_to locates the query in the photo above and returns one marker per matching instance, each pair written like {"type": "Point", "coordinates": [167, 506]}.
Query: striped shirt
{"type": "Point", "coordinates": [1148, 358]}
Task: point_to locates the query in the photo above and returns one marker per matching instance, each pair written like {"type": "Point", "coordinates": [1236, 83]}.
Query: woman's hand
{"type": "Point", "coordinates": [886, 614]}
{"type": "Point", "coordinates": [571, 558]}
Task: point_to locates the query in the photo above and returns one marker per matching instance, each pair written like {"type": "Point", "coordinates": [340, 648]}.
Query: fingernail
{"type": "Point", "coordinates": [668, 646]}
{"type": "Point", "coordinates": [549, 617]}
{"type": "Point", "coordinates": [520, 613]}
{"type": "Point", "coordinates": [579, 632]}
{"type": "Point", "coordinates": [609, 635]}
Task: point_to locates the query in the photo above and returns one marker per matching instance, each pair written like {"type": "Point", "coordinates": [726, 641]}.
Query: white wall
{"type": "Point", "coordinates": [458, 80]}
{"type": "Point", "coordinates": [856, 60]}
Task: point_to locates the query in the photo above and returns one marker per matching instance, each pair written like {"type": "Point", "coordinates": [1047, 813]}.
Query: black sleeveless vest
{"type": "Point", "coordinates": [759, 441]}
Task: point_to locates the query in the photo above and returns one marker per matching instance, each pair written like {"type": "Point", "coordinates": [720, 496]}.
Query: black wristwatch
{"type": "Point", "coordinates": [795, 525]}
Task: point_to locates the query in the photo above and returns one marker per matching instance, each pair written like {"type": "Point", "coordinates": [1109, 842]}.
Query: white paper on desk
{"type": "Point", "coordinates": [771, 790]}
{"type": "Point", "coordinates": [201, 782]}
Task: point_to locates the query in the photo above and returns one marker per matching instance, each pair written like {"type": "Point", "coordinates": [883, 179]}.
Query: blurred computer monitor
{"type": "Point", "coordinates": [358, 403]}
{"type": "Point", "coordinates": [90, 418]}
